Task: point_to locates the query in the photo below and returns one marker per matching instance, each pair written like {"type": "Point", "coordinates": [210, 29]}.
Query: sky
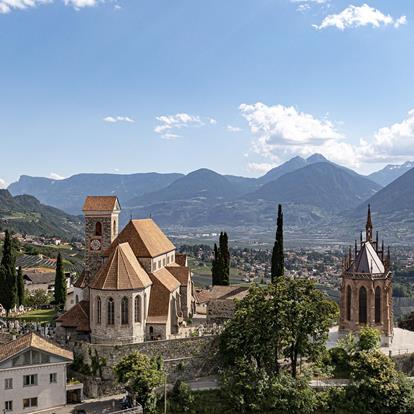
{"type": "Point", "coordinates": [238, 86]}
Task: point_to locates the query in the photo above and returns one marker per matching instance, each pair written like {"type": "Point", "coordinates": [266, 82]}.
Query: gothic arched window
{"type": "Point", "coordinates": [124, 311]}
{"type": "Point", "coordinates": [378, 305]}
{"type": "Point", "coordinates": [363, 305]}
{"type": "Point", "coordinates": [98, 310]}
{"type": "Point", "coordinates": [111, 312]}
{"type": "Point", "coordinates": [114, 227]}
{"type": "Point", "coordinates": [348, 302]}
{"type": "Point", "coordinates": [137, 309]}
{"type": "Point", "coordinates": [98, 228]}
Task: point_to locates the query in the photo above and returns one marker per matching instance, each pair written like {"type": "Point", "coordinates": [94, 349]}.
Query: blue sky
{"type": "Point", "coordinates": [237, 86]}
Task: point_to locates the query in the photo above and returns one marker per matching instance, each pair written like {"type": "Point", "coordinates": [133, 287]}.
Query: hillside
{"type": "Point", "coordinates": [321, 185]}
{"type": "Point", "coordinates": [25, 214]}
{"type": "Point", "coordinates": [203, 185]}
{"type": "Point", "coordinates": [69, 194]}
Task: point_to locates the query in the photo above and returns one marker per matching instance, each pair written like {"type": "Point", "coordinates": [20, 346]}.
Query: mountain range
{"type": "Point", "coordinates": [315, 190]}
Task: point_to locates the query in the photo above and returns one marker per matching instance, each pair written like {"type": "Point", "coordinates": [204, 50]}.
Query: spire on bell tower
{"type": "Point", "coordinates": [368, 227]}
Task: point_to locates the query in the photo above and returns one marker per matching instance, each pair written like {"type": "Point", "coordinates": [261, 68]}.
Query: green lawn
{"type": "Point", "coordinates": [39, 315]}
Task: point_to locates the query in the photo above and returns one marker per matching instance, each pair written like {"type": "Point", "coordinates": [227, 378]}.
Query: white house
{"type": "Point", "coordinates": [32, 375]}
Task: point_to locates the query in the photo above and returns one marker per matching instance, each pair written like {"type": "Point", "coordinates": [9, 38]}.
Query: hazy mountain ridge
{"type": "Point", "coordinates": [390, 173]}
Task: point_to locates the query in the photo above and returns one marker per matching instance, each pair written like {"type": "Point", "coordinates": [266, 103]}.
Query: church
{"type": "Point", "coordinates": [135, 286]}
{"type": "Point", "coordinates": [366, 289]}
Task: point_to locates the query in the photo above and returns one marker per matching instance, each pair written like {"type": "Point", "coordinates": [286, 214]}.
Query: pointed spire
{"type": "Point", "coordinates": [368, 227]}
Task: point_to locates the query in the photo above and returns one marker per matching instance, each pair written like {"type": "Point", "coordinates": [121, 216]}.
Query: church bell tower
{"type": "Point", "coordinates": [101, 215]}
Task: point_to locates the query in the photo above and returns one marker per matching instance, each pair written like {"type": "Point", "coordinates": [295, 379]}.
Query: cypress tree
{"type": "Point", "coordinates": [20, 287]}
{"type": "Point", "coordinates": [60, 283]}
{"type": "Point", "coordinates": [8, 275]}
{"type": "Point", "coordinates": [225, 260]}
{"type": "Point", "coordinates": [215, 266]}
{"type": "Point", "coordinates": [278, 258]}
{"type": "Point", "coordinates": [221, 263]}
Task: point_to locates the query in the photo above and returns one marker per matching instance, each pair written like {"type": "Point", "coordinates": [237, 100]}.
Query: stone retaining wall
{"type": "Point", "coordinates": [185, 359]}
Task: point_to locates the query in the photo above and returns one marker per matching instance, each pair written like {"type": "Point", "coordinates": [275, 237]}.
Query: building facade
{"type": "Point", "coordinates": [366, 289]}
{"type": "Point", "coordinates": [135, 286]}
{"type": "Point", "coordinates": [32, 375]}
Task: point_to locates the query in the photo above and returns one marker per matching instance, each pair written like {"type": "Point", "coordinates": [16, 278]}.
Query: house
{"type": "Point", "coordinates": [135, 287]}
{"type": "Point", "coordinates": [32, 375]}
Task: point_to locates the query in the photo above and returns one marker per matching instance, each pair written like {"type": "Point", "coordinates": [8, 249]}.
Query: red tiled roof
{"type": "Point", "coordinates": [101, 203]}
{"type": "Point", "coordinates": [76, 317]}
{"type": "Point", "coordinates": [32, 340]}
{"type": "Point", "coordinates": [122, 271]}
{"type": "Point", "coordinates": [145, 238]}
{"type": "Point", "coordinates": [181, 273]}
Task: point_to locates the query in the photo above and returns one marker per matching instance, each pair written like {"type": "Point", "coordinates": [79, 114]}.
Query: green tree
{"type": "Point", "coordinates": [60, 283]}
{"type": "Point", "coordinates": [221, 262]}
{"type": "Point", "coordinates": [181, 398]}
{"type": "Point", "coordinates": [278, 258]}
{"type": "Point", "coordinates": [141, 375]}
{"type": "Point", "coordinates": [37, 298]}
{"type": "Point", "coordinates": [369, 339]}
{"type": "Point", "coordinates": [20, 287]}
{"type": "Point", "coordinates": [257, 330]}
{"type": "Point", "coordinates": [224, 259]}
{"type": "Point", "coordinates": [8, 274]}
{"type": "Point", "coordinates": [310, 314]}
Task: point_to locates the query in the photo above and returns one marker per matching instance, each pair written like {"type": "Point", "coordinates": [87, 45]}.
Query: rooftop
{"type": "Point", "coordinates": [101, 203]}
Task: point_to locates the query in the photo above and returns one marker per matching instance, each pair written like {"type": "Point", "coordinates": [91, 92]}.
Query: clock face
{"type": "Point", "coordinates": [95, 245]}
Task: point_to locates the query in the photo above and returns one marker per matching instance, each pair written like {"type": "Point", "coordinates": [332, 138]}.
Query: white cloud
{"type": "Point", "coordinates": [7, 6]}
{"type": "Point", "coordinates": [231, 128]}
{"type": "Point", "coordinates": [390, 144]}
{"type": "Point", "coordinates": [170, 124]}
{"type": "Point", "coordinates": [282, 132]}
{"type": "Point", "coordinates": [263, 167]}
{"type": "Point", "coordinates": [356, 16]}
{"type": "Point", "coordinates": [56, 176]}
{"type": "Point", "coordinates": [2, 183]}
{"type": "Point", "coordinates": [115, 119]}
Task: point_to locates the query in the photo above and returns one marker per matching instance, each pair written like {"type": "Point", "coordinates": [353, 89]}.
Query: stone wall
{"type": "Point", "coordinates": [185, 359]}
{"type": "Point", "coordinates": [220, 310]}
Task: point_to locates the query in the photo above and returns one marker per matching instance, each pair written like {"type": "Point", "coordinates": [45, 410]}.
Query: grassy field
{"type": "Point", "coordinates": [202, 274]}
{"type": "Point", "coordinates": [38, 315]}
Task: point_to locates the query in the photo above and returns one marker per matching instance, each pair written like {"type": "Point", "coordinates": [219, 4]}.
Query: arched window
{"type": "Point", "coordinates": [111, 312]}
{"type": "Point", "coordinates": [348, 302]}
{"type": "Point", "coordinates": [124, 311]}
{"type": "Point", "coordinates": [378, 305]}
{"type": "Point", "coordinates": [77, 299]}
{"type": "Point", "coordinates": [98, 310]}
{"type": "Point", "coordinates": [98, 228]}
{"type": "Point", "coordinates": [137, 309]}
{"type": "Point", "coordinates": [114, 227]}
{"type": "Point", "coordinates": [363, 305]}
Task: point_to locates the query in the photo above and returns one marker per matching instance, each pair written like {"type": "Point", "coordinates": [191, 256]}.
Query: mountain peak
{"type": "Point", "coordinates": [314, 158]}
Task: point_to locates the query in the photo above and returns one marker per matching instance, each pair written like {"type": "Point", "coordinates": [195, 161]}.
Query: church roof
{"type": "Point", "coordinates": [166, 279]}
{"type": "Point", "coordinates": [368, 261]}
{"type": "Point", "coordinates": [145, 238]}
{"type": "Point", "coordinates": [76, 317]}
{"type": "Point", "coordinates": [181, 273]}
{"type": "Point", "coordinates": [32, 340]}
{"type": "Point", "coordinates": [101, 203]}
{"type": "Point", "coordinates": [122, 271]}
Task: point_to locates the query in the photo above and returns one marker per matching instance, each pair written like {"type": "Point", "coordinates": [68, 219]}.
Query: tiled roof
{"type": "Point", "coordinates": [38, 278]}
{"type": "Point", "coordinates": [101, 203]}
{"type": "Point", "coordinates": [221, 293]}
{"type": "Point", "coordinates": [76, 317]}
{"type": "Point", "coordinates": [145, 238]}
{"type": "Point", "coordinates": [166, 279]}
{"type": "Point", "coordinates": [81, 282]}
{"type": "Point", "coordinates": [159, 305]}
{"type": "Point", "coordinates": [122, 271]}
{"type": "Point", "coordinates": [181, 259]}
{"type": "Point", "coordinates": [181, 273]}
{"type": "Point", "coordinates": [32, 340]}
{"type": "Point", "coordinates": [368, 261]}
